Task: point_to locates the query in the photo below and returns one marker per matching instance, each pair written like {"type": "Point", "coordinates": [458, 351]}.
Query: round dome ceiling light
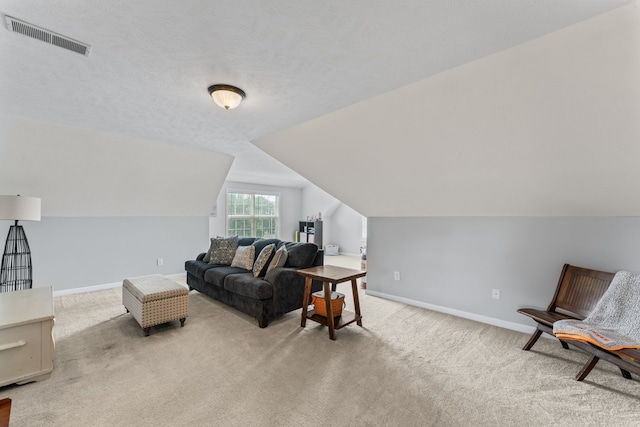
{"type": "Point", "coordinates": [226, 96]}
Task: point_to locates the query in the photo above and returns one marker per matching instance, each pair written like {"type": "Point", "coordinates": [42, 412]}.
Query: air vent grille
{"type": "Point", "coordinates": [44, 35]}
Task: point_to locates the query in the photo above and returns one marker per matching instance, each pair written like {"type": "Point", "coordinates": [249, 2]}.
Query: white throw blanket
{"type": "Point", "coordinates": [615, 321]}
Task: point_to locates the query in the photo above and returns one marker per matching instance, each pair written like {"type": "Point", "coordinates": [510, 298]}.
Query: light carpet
{"type": "Point", "coordinates": [406, 367]}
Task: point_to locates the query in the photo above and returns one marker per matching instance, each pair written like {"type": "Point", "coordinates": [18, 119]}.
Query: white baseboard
{"type": "Point", "coordinates": [471, 316]}
{"type": "Point", "coordinates": [349, 254]}
{"type": "Point", "coordinates": [104, 286]}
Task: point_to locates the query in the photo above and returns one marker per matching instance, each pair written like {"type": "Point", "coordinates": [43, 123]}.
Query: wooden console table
{"type": "Point", "coordinates": [331, 275]}
{"type": "Point", "coordinates": [26, 339]}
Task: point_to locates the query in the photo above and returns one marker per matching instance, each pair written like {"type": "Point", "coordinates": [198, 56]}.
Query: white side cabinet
{"type": "Point", "coordinates": [26, 335]}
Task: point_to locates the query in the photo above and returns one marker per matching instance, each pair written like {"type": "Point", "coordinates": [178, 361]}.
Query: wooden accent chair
{"type": "Point", "coordinates": [626, 359]}
{"type": "Point", "coordinates": [579, 290]}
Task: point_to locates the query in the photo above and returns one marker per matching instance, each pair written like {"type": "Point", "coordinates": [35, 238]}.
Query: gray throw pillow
{"type": "Point", "coordinates": [244, 257]}
{"type": "Point", "coordinates": [278, 259]}
{"type": "Point", "coordinates": [261, 243]}
{"type": "Point", "coordinates": [223, 250]}
{"type": "Point", "coordinates": [207, 256]}
{"type": "Point", "coordinates": [260, 265]}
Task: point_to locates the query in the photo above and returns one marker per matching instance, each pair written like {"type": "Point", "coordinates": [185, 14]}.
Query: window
{"type": "Point", "coordinates": [251, 214]}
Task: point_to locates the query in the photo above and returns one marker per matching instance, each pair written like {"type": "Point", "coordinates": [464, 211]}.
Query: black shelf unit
{"type": "Point", "coordinates": [310, 232]}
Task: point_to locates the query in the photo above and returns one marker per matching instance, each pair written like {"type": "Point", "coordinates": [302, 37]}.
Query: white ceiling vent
{"type": "Point", "coordinates": [18, 26]}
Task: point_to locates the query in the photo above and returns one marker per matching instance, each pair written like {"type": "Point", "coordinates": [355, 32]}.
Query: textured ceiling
{"type": "Point", "coordinates": [152, 61]}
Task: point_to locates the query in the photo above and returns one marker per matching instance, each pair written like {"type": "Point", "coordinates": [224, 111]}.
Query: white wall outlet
{"type": "Point", "coordinates": [396, 275]}
{"type": "Point", "coordinates": [495, 293]}
{"type": "Point", "coordinates": [160, 261]}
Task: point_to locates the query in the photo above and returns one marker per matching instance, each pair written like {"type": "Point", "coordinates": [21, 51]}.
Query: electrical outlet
{"type": "Point", "coordinates": [396, 275]}
{"type": "Point", "coordinates": [160, 261]}
{"type": "Point", "coordinates": [495, 293]}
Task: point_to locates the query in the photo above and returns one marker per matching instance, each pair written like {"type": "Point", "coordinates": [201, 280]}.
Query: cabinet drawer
{"type": "Point", "coordinates": [20, 352]}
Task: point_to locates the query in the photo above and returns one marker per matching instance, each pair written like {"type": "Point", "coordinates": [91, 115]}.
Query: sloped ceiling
{"type": "Point", "coordinates": [549, 127]}
{"type": "Point", "coordinates": [151, 62]}
{"type": "Point", "coordinates": [80, 173]}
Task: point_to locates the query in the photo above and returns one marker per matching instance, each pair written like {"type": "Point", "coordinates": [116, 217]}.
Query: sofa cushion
{"type": "Point", "coordinates": [300, 255]}
{"type": "Point", "coordinates": [261, 243]}
{"type": "Point", "coordinates": [246, 241]}
{"type": "Point", "coordinates": [217, 275]}
{"type": "Point", "coordinates": [262, 261]}
{"type": "Point", "coordinates": [248, 286]}
{"type": "Point", "coordinates": [245, 255]}
{"type": "Point", "coordinates": [279, 258]}
{"type": "Point", "coordinates": [223, 250]}
{"type": "Point", "coordinates": [197, 268]}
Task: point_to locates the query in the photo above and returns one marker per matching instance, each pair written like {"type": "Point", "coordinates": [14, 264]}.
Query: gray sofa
{"type": "Point", "coordinates": [265, 298]}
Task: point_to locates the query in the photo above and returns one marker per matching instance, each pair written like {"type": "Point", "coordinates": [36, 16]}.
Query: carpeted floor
{"type": "Point", "coordinates": [406, 367]}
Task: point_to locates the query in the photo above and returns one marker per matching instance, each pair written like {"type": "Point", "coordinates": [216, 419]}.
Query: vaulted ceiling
{"type": "Point", "coordinates": [547, 128]}
{"type": "Point", "coordinates": [150, 63]}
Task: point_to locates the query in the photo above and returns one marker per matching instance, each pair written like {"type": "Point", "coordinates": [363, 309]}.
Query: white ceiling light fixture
{"type": "Point", "coordinates": [226, 96]}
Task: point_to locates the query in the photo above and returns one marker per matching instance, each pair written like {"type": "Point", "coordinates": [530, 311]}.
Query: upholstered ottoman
{"type": "Point", "coordinates": [154, 300]}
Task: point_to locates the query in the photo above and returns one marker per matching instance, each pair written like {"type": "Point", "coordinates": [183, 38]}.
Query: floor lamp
{"type": "Point", "coordinates": [15, 272]}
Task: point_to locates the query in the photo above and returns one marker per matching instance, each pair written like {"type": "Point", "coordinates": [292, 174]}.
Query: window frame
{"type": "Point", "coordinates": [252, 216]}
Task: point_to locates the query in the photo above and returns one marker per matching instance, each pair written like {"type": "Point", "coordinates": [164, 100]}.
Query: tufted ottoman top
{"type": "Point", "coordinates": [153, 287]}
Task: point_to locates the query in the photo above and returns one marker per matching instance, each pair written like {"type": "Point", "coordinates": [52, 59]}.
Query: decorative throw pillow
{"type": "Point", "coordinates": [244, 257]}
{"type": "Point", "coordinates": [261, 243]}
{"type": "Point", "coordinates": [263, 259]}
{"type": "Point", "coordinates": [207, 256]}
{"type": "Point", "coordinates": [278, 259]}
{"type": "Point", "coordinates": [223, 250]}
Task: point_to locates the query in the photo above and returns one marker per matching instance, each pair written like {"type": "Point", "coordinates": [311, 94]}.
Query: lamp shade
{"type": "Point", "coordinates": [226, 96]}
{"type": "Point", "coordinates": [20, 208]}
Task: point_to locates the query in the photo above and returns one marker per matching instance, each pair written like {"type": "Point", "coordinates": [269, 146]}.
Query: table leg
{"type": "Point", "coordinates": [356, 301]}
{"type": "Point", "coordinates": [330, 320]}
{"type": "Point", "coordinates": [305, 301]}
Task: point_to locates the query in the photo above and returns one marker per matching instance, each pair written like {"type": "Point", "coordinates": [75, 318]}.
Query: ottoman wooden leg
{"type": "Point", "coordinates": [146, 331]}
{"type": "Point", "coordinates": [182, 321]}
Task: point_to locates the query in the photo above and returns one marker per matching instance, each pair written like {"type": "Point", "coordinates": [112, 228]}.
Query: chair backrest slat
{"type": "Point", "coordinates": [579, 290]}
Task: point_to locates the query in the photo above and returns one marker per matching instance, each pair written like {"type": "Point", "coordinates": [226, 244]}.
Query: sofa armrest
{"type": "Point", "coordinates": [288, 288]}
{"type": "Point", "coordinates": [283, 276]}
{"type": "Point", "coordinates": [201, 256]}
{"type": "Point", "coordinates": [319, 259]}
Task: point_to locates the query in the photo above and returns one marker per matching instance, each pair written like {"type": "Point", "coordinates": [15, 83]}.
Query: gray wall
{"type": "Point", "coordinates": [111, 205]}
{"type": "Point", "coordinates": [71, 253]}
{"type": "Point", "coordinates": [341, 225]}
{"type": "Point", "coordinates": [346, 230]}
{"type": "Point", "coordinates": [290, 202]}
{"type": "Point", "coordinates": [454, 262]}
